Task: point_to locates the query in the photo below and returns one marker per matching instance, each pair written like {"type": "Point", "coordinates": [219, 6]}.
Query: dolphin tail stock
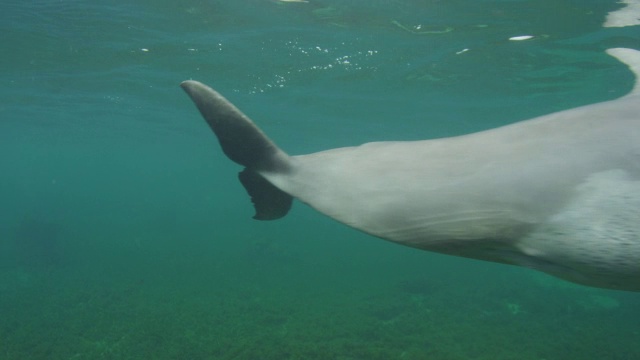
{"type": "Point", "coordinates": [245, 144]}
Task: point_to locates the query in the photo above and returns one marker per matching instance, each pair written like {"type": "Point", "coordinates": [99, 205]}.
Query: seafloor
{"type": "Point", "coordinates": [289, 298]}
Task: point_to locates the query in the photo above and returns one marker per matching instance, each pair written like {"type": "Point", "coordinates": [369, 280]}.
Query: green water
{"type": "Point", "coordinates": [124, 233]}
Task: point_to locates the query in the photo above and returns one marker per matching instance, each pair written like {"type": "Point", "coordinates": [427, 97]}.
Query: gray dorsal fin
{"type": "Point", "coordinates": [244, 143]}
{"type": "Point", "coordinates": [631, 58]}
{"type": "Point", "coordinates": [241, 140]}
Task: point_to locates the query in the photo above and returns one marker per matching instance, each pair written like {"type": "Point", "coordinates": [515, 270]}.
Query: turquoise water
{"type": "Point", "coordinates": [124, 233]}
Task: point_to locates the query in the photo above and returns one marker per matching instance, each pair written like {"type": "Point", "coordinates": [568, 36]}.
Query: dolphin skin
{"type": "Point", "coordinates": [558, 193]}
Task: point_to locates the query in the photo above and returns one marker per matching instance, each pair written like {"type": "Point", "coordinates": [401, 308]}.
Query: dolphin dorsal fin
{"type": "Point", "coordinates": [244, 143]}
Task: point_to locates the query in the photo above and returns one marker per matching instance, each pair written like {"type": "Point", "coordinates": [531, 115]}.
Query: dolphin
{"type": "Point", "coordinates": [559, 193]}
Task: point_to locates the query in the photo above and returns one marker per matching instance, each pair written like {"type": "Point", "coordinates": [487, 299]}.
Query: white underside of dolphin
{"type": "Point", "coordinates": [558, 193]}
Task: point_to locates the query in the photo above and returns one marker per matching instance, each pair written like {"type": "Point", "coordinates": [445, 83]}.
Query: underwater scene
{"type": "Point", "coordinates": [125, 233]}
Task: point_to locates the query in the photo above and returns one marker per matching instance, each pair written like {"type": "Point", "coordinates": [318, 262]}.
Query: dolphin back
{"type": "Point", "coordinates": [245, 144]}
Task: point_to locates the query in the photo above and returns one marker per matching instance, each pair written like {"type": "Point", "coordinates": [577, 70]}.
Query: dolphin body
{"type": "Point", "coordinates": [558, 193]}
